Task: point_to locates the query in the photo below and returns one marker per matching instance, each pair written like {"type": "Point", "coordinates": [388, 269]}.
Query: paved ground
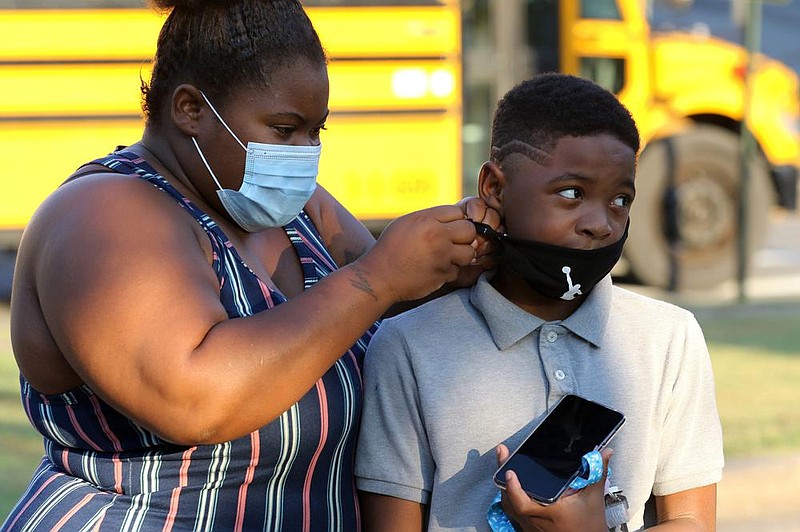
{"type": "Point", "coordinates": [760, 495]}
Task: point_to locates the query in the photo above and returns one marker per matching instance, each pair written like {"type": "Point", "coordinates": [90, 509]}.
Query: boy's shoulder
{"type": "Point", "coordinates": [626, 301]}
{"type": "Point", "coordinates": [648, 316]}
{"type": "Point", "coordinates": [444, 310]}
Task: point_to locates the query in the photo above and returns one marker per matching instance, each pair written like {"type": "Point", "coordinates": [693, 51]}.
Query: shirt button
{"type": "Point", "coordinates": [560, 375]}
{"type": "Point", "coordinates": [552, 336]}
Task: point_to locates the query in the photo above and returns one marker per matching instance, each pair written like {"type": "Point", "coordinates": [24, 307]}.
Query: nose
{"type": "Point", "coordinates": [596, 224]}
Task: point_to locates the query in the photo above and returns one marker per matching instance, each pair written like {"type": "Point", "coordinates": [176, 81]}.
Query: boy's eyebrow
{"type": "Point", "coordinates": [569, 176]}
{"type": "Point", "coordinates": [533, 153]}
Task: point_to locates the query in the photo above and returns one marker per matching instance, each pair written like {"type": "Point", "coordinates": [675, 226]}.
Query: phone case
{"type": "Point", "coordinates": [614, 421]}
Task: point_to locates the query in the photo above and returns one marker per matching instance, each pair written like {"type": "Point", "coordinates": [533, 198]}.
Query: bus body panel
{"type": "Point", "coordinates": [70, 92]}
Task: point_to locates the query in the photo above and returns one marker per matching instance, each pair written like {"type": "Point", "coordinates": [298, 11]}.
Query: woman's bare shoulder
{"type": "Point", "coordinates": [102, 201]}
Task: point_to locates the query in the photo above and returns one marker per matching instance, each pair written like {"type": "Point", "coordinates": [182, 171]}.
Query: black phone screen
{"type": "Point", "coordinates": [550, 457]}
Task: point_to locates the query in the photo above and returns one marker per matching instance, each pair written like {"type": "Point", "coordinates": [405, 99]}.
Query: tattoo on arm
{"type": "Point", "coordinates": [351, 255]}
{"type": "Point", "coordinates": [362, 283]}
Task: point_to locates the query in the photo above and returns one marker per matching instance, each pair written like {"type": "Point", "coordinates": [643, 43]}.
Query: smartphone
{"type": "Point", "coordinates": [550, 457]}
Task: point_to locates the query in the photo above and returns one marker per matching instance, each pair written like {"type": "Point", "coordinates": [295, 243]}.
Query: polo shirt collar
{"type": "Point", "coordinates": [589, 320]}
{"type": "Point", "coordinates": [508, 324]}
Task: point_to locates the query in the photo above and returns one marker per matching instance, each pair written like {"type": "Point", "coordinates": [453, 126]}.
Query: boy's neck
{"type": "Point", "coordinates": [519, 292]}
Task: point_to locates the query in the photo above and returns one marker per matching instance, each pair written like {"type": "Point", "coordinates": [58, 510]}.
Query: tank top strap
{"type": "Point", "coordinates": [315, 260]}
{"type": "Point", "coordinates": [129, 163]}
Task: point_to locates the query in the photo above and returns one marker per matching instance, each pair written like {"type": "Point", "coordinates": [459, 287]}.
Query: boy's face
{"type": "Point", "coordinates": [578, 195]}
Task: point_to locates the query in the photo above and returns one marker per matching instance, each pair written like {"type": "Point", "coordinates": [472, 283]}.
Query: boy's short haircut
{"type": "Point", "coordinates": [541, 110]}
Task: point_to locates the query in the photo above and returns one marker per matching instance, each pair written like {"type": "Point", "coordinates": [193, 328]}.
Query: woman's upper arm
{"type": "Point", "coordinates": [125, 289]}
{"type": "Point", "coordinates": [345, 237]}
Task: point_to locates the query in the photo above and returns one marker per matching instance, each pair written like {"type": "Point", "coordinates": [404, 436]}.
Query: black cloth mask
{"type": "Point", "coordinates": [554, 271]}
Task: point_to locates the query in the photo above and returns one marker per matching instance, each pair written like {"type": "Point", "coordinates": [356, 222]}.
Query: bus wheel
{"type": "Point", "coordinates": [695, 176]}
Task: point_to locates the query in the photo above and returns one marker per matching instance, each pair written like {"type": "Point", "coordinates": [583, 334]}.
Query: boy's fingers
{"type": "Point", "coordinates": [606, 453]}
{"type": "Point", "coordinates": [502, 453]}
{"type": "Point", "coordinates": [516, 496]}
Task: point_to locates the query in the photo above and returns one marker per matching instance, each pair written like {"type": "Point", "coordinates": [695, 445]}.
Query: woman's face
{"type": "Point", "coordinates": [292, 110]}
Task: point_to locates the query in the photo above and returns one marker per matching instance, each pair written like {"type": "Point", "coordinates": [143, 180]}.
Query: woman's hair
{"type": "Point", "coordinates": [540, 111]}
{"type": "Point", "coordinates": [223, 45]}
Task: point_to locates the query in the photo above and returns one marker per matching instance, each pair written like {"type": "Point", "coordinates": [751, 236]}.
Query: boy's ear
{"type": "Point", "coordinates": [185, 108]}
{"type": "Point", "coordinates": [491, 185]}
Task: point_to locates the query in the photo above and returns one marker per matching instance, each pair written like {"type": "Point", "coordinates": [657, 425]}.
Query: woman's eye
{"type": "Point", "coordinates": [570, 193]}
{"type": "Point", "coordinates": [316, 131]}
{"type": "Point", "coordinates": [284, 131]}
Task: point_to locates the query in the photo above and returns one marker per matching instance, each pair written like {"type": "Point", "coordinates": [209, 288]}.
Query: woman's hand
{"type": "Point", "coordinates": [476, 210]}
{"type": "Point", "coordinates": [418, 253]}
{"type": "Point", "coordinates": [582, 510]}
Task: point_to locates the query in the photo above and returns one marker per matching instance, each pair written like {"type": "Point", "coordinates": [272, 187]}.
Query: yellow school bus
{"type": "Point", "coordinates": [69, 92]}
{"type": "Point", "coordinates": [687, 92]}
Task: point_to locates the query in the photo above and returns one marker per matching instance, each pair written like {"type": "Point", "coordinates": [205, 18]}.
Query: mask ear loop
{"type": "Point", "coordinates": [485, 230]}
{"type": "Point", "coordinates": [208, 167]}
{"type": "Point", "coordinates": [213, 110]}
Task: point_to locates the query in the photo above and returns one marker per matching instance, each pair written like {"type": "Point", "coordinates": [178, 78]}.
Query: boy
{"type": "Point", "coordinates": [450, 382]}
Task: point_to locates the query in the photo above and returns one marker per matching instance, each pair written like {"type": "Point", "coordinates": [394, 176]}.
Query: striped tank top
{"type": "Point", "coordinates": [101, 471]}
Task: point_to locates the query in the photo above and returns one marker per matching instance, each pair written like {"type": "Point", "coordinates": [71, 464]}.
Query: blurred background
{"type": "Point", "coordinates": [712, 84]}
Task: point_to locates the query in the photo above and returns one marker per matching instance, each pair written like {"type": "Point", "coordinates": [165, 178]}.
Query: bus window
{"type": "Point", "coordinates": [600, 9]}
{"type": "Point", "coordinates": [608, 72]}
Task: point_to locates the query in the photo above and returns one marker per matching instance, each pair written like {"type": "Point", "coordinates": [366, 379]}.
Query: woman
{"type": "Point", "coordinates": [180, 328]}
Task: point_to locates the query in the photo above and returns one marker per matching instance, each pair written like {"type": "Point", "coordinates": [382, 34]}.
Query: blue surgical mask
{"type": "Point", "coordinates": [278, 181]}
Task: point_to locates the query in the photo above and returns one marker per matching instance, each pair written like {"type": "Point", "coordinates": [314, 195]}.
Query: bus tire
{"type": "Point", "coordinates": [701, 250]}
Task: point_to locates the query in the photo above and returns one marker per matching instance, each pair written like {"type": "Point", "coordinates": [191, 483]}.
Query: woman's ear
{"type": "Point", "coordinates": [185, 109]}
{"type": "Point", "coordinates": [491, 185]}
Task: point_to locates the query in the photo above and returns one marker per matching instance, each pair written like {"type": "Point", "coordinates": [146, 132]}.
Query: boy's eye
{"type": "Point", "coordinates": [570, 193]}
{"type": "Point", "coordinates": [623, 201]}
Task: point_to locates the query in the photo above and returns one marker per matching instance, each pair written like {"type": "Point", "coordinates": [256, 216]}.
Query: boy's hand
{"type": "Point", "coordinates": [582, 510]}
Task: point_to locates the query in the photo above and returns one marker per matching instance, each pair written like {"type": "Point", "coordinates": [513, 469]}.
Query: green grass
{"type": "Point", "coordinates": [20, 445]}
{"type": "Point", "coordinates": [755, 350]}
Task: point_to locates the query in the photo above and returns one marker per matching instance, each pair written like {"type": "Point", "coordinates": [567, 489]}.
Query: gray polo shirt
{"type": "Point", "coordinates": [447, 382]}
